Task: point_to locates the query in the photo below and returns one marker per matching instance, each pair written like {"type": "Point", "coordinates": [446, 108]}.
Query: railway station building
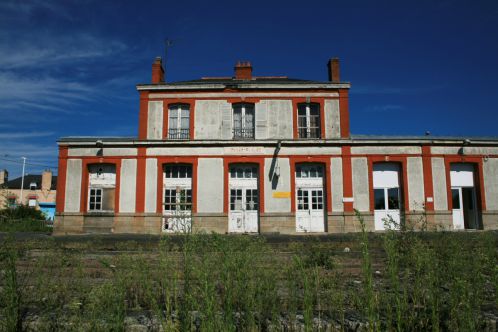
{"type": "Point", "coordinates": [255, 154]}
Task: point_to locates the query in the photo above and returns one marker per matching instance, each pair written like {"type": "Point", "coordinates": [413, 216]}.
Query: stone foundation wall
{"type": "Point", "coordinates": [490, 220]}
{"type": "Point", "coordinates": [210, 223]}
{"type": "Point", "coordinates": [282, 223]}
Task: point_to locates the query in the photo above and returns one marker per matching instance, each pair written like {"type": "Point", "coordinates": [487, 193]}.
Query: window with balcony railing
{"type": "Point", "coordinates": [243, 121]}
{"type": "Point", "coordinates": [308, 121]}
{"type": "Point", "coordinates": [178, 133]}
{"type": "Point", "coordinates": [179, 122]}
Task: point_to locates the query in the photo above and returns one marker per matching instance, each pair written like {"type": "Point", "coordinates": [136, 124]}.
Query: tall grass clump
{"type": "Point", "coordinates": [370, 299]}
{"type": "Point", "coordinates": [10, 294]}
{"type": "Point", "coordinates": [399, 280]}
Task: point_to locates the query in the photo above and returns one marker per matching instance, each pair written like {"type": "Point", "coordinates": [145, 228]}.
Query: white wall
{"type": "Point", "coordinates": [490, 170]}
{"type": "Point", "coordinates": [128, 184]}
{"type": "Point", "coordinates": [155, 120]}
{"type": "Point", "coordinates": [416, 188]}
{"type": "Point", "coordinates": [439, 184]}
{"type": "Point", "coordinates": [276, 204]}
{"type": "Point", "coordinates": [210, 186]}
{"type": "Point", "coordinates": [280, 119]}
{"type": "Point", "coordinates": [360, 184]}
{"type": "Point", "coordinates": [73, 185]}
{"type": "Point", "coordinates": [336, 184]}
{"type": "Point", "coordinates": [332, 119]}
{"type": "Point", "coordinates": [151, 185]}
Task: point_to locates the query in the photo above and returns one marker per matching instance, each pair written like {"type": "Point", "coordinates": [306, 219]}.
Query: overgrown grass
{"type": "Point", "coordinates": [24, 225]}
{"type": "Point", "coordinates": [396, 281]}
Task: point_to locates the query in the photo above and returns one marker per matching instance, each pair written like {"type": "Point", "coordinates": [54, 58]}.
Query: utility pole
{"type": "Point", "coordinates": [22, 180]}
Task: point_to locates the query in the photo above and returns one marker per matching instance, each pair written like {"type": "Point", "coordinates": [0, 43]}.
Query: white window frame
{"type": "Point", "coordinates": [101, 177]}
{"type": "Point", "coordinates": [182, 112]}
{"type": "Point", "coordinates": [308, 121]}
{"type": "Point", "coordinates": [98, 192]}
{"type": "Point", "coordinates": [243, 122]}
{"type": "Point", "coordinates": [177, 212]}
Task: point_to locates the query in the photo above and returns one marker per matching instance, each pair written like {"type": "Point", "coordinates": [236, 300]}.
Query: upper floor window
{"type": "Point", "coordinates": [101, 187]}
{"type": "Point", "coordinates": [11, 201]}
{"type": "Point", "coordinates": [179, 121]}
{"type": "Point", "coordinates": [243, 121]}
{"type": "Point", "coordinates": [32, 186]}
{"type": "Point", "coordinates": [178, 171]}
{"type": "Point", "coordinates": [32, 201]}
{"type": "Point", "coordinates": [308, 121]}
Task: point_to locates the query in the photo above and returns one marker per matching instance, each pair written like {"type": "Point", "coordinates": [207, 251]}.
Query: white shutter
{"type": "Point", "coordinates": [226, 120]}
{"type": "Point", "coordinates": [261, 120]}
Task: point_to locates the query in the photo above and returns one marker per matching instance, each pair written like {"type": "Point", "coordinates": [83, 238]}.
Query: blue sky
{"type": "Point", "coordinates": [69, 68]}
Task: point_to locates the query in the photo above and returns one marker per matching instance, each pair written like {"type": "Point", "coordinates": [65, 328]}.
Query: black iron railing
{"type": "Point", "coordinates": [243, 133]}
{"type": "Point", "coordinates": [179, 133]}
{"type": "Point", "coordinates": [309, 133]}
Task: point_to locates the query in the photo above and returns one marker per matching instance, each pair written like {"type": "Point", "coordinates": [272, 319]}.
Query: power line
{"type": "Point", "coordinates": [31, 164]}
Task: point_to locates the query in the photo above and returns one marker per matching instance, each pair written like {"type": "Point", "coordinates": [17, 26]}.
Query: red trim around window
{"type": "Point", "coordinates": [61, 179]}
{"type": "Point", "coordinates": [347, 178]}
{"type": "Point", "coordinates": [325, 162]}
{"type": "Point", "coordinates": [260, 162]}
{"type": "Point", "coordinates": [173, 101]}
{"type": "Point", "coordinates": [344, 112]}
{"type": "Point", "coordinates": [161, 162]}
{"type": "Point", "coordinates": [143, 115]}
{"type": "Point", "coordinates": [84, 180]}
{"type": "Point", "coordinates": [404, 177]}
{"type": "Point", "coordinates": [427, 170]}
{"type": "Point", "coordinates": [478, 178]}
{"type": "Point", "coordinates": [314, 100]}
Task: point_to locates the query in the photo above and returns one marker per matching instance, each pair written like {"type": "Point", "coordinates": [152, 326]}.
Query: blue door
{"type": "Point", "coordinates": [48, 210]}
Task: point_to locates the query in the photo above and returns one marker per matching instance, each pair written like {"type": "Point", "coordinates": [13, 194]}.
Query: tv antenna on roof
{"type": "Point", "coordinates": [167, 44]}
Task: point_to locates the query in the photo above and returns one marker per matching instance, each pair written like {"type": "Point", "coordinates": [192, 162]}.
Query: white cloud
{"type": "Point", "coordinates": [31, 134]}
{"type": "Point", "coordinates": [37, 151]}
{"type": "Point", "coordinates": [43, 50]}
{"type": "Point", "coordinates": [49, 94]}
{"type": "Point", "coordinates": [26, 8]}
{"type": "Point", "coordinates": [384, 108]}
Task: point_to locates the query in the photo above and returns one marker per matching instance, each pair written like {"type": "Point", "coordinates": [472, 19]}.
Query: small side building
{"type": "Point", "coordinates": [39, 191]}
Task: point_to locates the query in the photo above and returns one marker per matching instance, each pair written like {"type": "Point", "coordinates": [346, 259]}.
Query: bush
{"type": "Point", "coordinates": [22, 219]}
{"type": "Point", "coordinates": [21, 212]}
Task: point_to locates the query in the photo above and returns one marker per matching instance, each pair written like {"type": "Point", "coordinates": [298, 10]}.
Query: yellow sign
{"type": "Point", "coordinates": [281, 194]}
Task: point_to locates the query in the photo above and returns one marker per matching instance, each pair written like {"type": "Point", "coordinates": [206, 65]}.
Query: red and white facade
{"type": "Point", "coordinates": [249, 154]}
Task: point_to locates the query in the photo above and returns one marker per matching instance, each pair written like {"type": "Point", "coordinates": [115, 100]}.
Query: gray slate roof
{"type": "Point", "coordinates": [111, 139]}
{"type": "Point", "coordinates": [28, 179]}
{"type": "Point", "coordinates": [258, 80]}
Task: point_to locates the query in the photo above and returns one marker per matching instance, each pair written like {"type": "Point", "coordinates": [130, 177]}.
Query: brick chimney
{"type": "Point", "coordinates": [4, 176]}
{"type": "Point", "coordinates": [243, 70]}
{"type": "Point", "coordinates": [158, 71]}
{"type": "Point", "coordinates": [333, 66]}
{"type": "Point", "coordinates": [46, 182]}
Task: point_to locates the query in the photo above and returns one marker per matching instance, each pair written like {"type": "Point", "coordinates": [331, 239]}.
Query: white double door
{"type": "Point", "coordinates": [177, 200]}
{"type": "Point", "coordinates": [310, 216]}
{"type": "Point", "coordinates": [244, 200]}
{"type": "Point", "coordinates": [310, 199]}
{"type": "Point", "coordinates": [386, 196]}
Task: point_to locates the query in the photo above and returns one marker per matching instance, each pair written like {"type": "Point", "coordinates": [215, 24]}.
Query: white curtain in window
{"type": "Point", "coordinates": [249, 117]}
{"type": "Point", "coordinates": [173, 117]}
{"type": "Point", "coordinates": [237, 117]}
{"type": "Point", "coordinates": [185, 116]}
